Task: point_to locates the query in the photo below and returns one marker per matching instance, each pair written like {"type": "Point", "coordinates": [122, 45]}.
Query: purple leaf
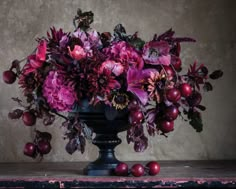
{"type": "Point", "coordinates": [15, 114]}
{"type": "Point", "coordinates": [71, 146]}
{"type": "Point", "coordinates": [141, 145]}
{"type": "Point", "coordinates": [216, 74]}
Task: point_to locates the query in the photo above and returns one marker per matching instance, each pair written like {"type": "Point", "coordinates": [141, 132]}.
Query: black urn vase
{"type": "Point", "coordinates": [106, 122]}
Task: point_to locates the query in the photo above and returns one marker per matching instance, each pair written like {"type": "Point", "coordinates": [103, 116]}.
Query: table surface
{"type": "Point", "coordinates": [69, 174]}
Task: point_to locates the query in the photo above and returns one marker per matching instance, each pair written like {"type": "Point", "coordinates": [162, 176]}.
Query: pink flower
{"type": "Point", "coordinates": [59, 96]}
{"type": "Point", "coordinates": [41, 51]}
{"type": "Point", "coordinates": [157, 52]}
{"type": "Point", "coordinates": [90, 39]}
{"type": "Point", "coordinates": [115, 67]}
{"type": "Point", "coordinates": [125, 54]}
{"type": "Point", "coordinates": [36, 61]}
{"type": "Point", "coordinates": [78, 52]}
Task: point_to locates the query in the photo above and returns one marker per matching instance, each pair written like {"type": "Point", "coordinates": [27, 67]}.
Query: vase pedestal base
{"type": "Point", "coordinates": [106, 162]}
{"type": "Point", "coordinates": [100, 170]}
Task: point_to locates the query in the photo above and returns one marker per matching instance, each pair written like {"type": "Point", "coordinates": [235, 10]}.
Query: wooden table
{"type": "Point", "coordinates": [69, 175]}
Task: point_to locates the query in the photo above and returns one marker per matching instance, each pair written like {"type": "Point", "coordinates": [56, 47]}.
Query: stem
{"type": "Point", "coordinates": [176, 73]}
{"type": "Point", "coordinates": [60, 115]}
{"type": "Point", "coordinates": [23, 59]}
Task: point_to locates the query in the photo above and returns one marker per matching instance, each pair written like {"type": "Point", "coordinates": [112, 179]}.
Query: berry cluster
{"type": "Point", "coordinates": [41, 145]}
{"type": "Point", "coordinates": [152, 168]}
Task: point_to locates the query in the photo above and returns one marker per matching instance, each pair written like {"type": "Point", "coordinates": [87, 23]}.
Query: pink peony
{"type": "Point", "coordinates": [58, 95]}
{"type": "Point", "coordinates": [157, 52]}
{"type": "Point", "coordinates": [78, 52]}
{"type": "Point", "coordinates": [125, 54]}
{"type": "Point", "coordinates": [115, 67]}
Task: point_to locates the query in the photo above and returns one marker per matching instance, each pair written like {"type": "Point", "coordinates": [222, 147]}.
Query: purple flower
{"type": "Point", "coordinates": [90, 39]}
{"type": "Point", "coordinates": [136, 80]}
{"type": "Point", "coordinates": [59, 96]}
{"type": "Point", "coordinates": [157, 52]}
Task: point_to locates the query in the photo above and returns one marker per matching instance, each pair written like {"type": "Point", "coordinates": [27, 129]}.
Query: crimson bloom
{"type": "Point", "coordinates": [78, 52]}
{"type": "Point", "coordinates": [36, 61]}
{"type": "Point", "coordinates": [102, 84]}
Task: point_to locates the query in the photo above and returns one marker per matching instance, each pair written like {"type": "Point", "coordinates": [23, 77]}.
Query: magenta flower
{"type": "Point", "coordinates": [36, 61]}
{"type": "Point", "coordinates": [157, 52]}
{"type": "Point", "coordinates": [59, 96]}
{"type": "Point", "coordinates": [78, 52]}
{"type": "Point", "coordinates": [125, 54]}
{"type": "Point", "coordinates": [136, 80]}
{"type": "Point", "coordinates": [115, 67]}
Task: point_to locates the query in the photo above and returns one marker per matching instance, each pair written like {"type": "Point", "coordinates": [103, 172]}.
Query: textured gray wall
{"type": "Point", "coordinates": [211, 22]}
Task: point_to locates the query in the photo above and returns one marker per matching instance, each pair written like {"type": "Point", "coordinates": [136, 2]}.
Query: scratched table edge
{"type": "Point", "coordinates": [119, 179]}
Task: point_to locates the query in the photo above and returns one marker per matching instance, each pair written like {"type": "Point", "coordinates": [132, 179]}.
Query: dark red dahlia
{"type": "Point", "coordinates": [102, 83]}
{"type": "Point", "coordinates": [30, 81]}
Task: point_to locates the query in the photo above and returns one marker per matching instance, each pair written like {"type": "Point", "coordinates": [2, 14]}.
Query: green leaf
{"type": "Point", "coordinates": [137, 43]}
{"type": "Point", "coordinates": [195, 120]}
{"type": "Point", "coordinates": [120, 33]}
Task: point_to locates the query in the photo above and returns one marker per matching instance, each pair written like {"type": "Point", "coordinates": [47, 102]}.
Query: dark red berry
{"type": "Point", "coordinates": [122, 169]}
{"type": "Point", "coordinates": [29, 118]}
{"type": "Point", "coordinates": [170, 72]}
{"type": "Point", "coordinates": [133, 105]}
{"type": "Point", "coordinates": [173, 95]}
{"type": "Point", "coordinates": [153, 168]}
{"type": "Point", "coordinates": [9, 77]}
{"type": "Point", "coordinates": [30, 149]}
{"type": "Point", "coordinates": [166, 126]}
{"type": "Point", "coordinates": [185, 89]}
{"type": "Point", "coordinates": [137, 170]}
{"type": "Point", "coordinates": [176, 63]}
{"type": "Point", "coordinates": [44, 147]}
{"type": "Point", "coordinates": [171, 113]}
{"type": "Point", "coordinates": [195, 99]}
{"type": "Point", "coordinates": [136, 117]}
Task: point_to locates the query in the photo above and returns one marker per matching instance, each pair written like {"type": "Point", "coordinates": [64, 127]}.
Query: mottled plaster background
{"type": "Point", "coordinates": [211, 22]}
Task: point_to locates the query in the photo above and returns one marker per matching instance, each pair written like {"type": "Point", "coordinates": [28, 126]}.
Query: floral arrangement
{"type": "Point", "coordinates": [119, 70]}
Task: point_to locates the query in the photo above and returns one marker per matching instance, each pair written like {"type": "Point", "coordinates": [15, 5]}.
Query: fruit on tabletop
{"type": "Point", "coordinates": [122, 169]}
{"type": "Point", "coordinates": [153, 168]}
{"type": "Point", "coordinates": [137, 170]}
